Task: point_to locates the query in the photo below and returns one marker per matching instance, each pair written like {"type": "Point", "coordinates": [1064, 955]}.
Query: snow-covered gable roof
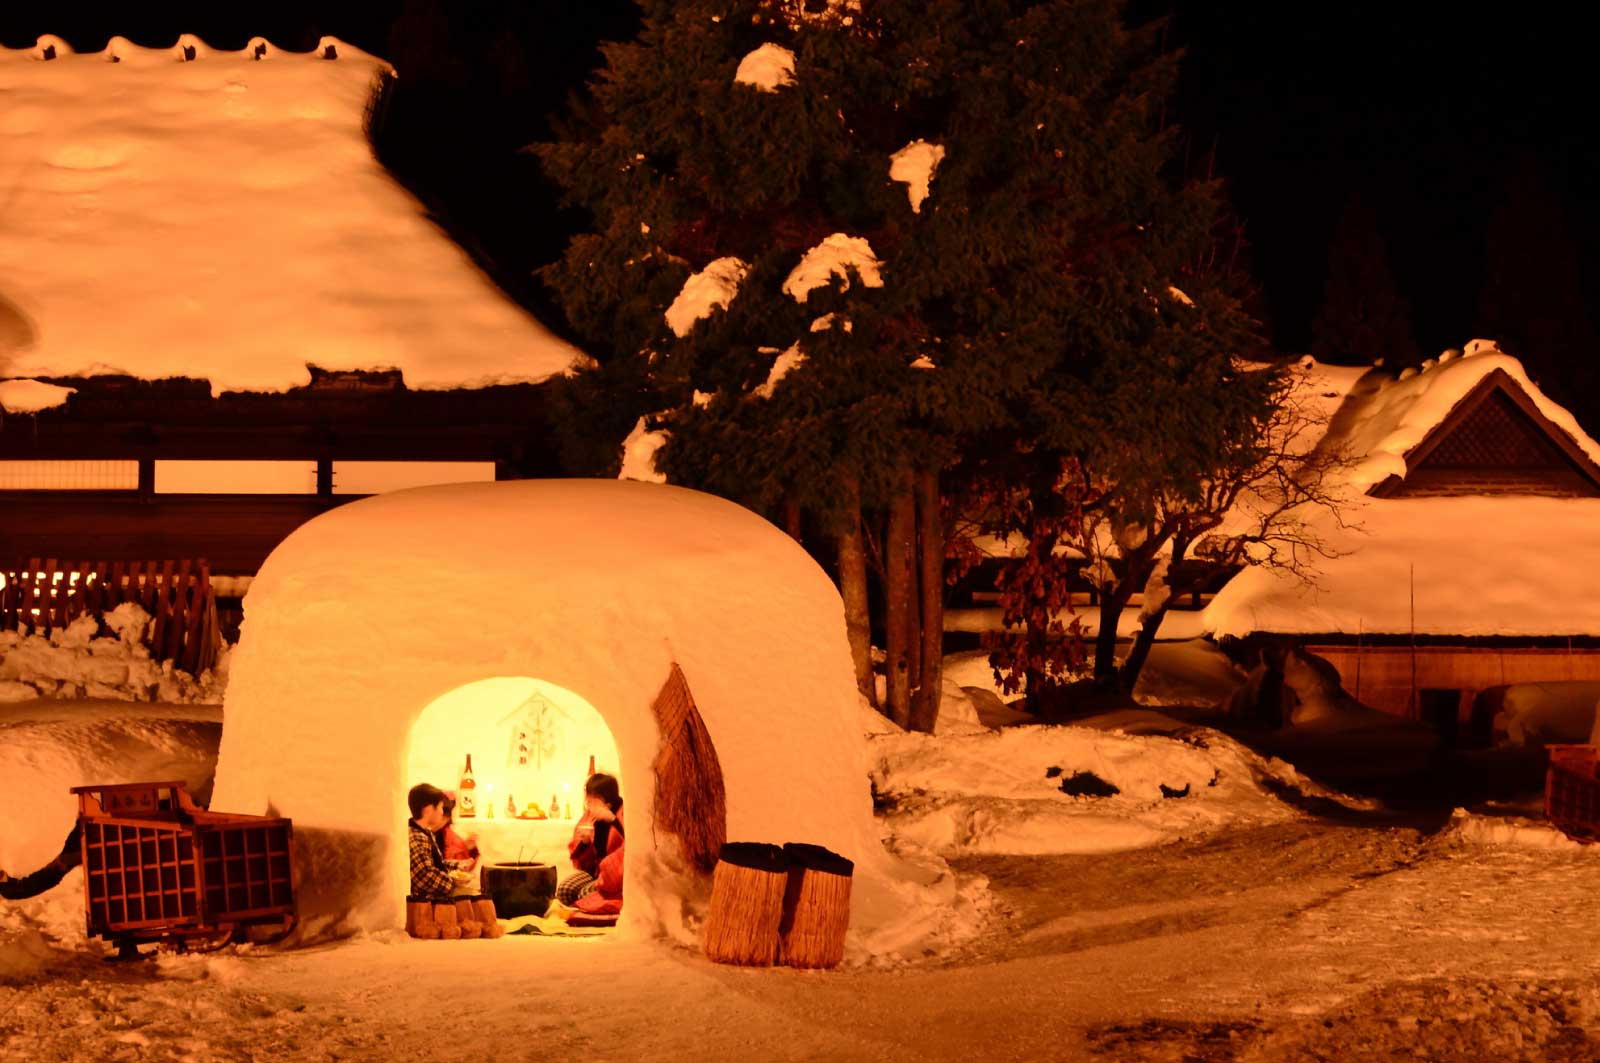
{"type": "Point", "coordinates": [225, 218]}
{"type": "Point", "coordinates": [1473, 564]}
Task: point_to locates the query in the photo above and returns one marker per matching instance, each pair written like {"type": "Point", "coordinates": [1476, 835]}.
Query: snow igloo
{"type": "Point", "coordinates": [383, 638]}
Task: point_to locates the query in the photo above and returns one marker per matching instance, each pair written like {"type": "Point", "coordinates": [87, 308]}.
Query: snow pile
{"type": "Point", "coordinates": [24, 952]}
{"type": "Point", "coordinates": [74, 662]}
{"type": "Point", "coordinates": [225, 218]}
{"type": "Point", "coordinates": [837, 256]}
{"type": "Point", "coordinates": [1516, 832]}
{"type": "Point", "coordinates": [766, 69]}
{"type": "Point", "coordinates": [913, 165]}
{"type": "Point", "coordinates": [712, 288]}
{"type": "Point", "coordinates": [1034, 790]}
{"type": "Point", "coordinates": [639, 454]}
{"type": "Point", "coordinates": [31, 396]}
{"type": "Point", "coordinates": [48, 747]}
{"type": "Point", "coordinates": [1541, 713]}
{"type": "Point", "coordinates": [1447, 556]}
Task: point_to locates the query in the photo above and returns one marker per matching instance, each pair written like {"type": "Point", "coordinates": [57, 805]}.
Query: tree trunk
{"type": "Point", "coordinates": [899, 594]}
{"type": "Point", "coordinates": [853, 589]}
{"type": "Point", "coordinates": [1133, 664]}
{"type": "Point", "coordinates": [930, 553]}
{"type": "Point", "coordinates": [791, 518]}
{"type": "Point", "coordinates": [1112, 602]}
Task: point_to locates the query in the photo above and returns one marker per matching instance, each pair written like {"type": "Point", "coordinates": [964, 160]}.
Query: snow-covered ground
{"type": "Point", "coordinates": [1137, 926]}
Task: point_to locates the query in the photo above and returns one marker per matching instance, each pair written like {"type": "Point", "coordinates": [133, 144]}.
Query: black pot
{"type": "Point", "coordinates": [519, 887]}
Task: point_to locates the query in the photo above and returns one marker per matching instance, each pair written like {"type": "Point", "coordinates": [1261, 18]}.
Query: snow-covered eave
{"type": "Point", "coordinates": [187, 48]}
{"type": "Point", "coordinates": [1378, 420]}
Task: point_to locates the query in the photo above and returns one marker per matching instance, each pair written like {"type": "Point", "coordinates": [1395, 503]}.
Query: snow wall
{"type": "Point", "coordinates": [365, 615]}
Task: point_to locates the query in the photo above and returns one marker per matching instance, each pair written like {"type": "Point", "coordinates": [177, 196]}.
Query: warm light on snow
{"type": "Point", "coordinates": [914, 165]}
{"type": "Point", "coordinates": [529, 741]}
{"type": "Point", "coordinates": [32, 396]}
{"type": "Point", "coordinates": [766, 69]}
{"type": "Point", "coordinates": [837, 256]}
{"type": "Point", "coordinates": [224, 218]}
{"type": "Point", "coordinates": [593, 586]}
{"type": "Point", "coordinates": [711, 289]}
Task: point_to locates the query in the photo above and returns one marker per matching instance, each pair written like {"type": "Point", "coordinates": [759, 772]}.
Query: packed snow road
{"type": "Point", "coordinates": [1297, 940]}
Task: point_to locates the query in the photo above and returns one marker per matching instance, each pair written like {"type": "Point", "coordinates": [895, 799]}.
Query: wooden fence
{"type": "Point", "coordinates": [47, 594]}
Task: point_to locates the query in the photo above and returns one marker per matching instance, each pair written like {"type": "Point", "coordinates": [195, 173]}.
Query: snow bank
{"type": "Point", "coordinates": [1541, 713]}
{"type": "Point", "coordinates": [47, 747]}
{"type": "Point", "coordinates": [1469, 828]}
{"type": "Point", "coordinates": [913, 166]}
{"type": "Point", "coordinates": [225, 218]}
{"type": "Point", "coordinates": [711, 289]}
{"type": "Point", "coordinates": [32, 396]}
{"type": "Point", "coordinates": [766, 69]}
{"type": "Point", "coordinates": [596, 587]}
{"type": "Point", "coordinates": [1003, 792]}
{"type": "Point", "coordinates": [72, 662]}
{"type": "Point", "coordinates": [837, 256]}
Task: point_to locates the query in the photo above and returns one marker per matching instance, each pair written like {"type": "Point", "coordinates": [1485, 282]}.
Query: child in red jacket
{"type": "Point", "coordinates": [596, 849]}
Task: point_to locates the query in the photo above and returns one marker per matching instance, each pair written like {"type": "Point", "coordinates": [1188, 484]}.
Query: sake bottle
{"type": "Point", "coordinates": [466, 797]}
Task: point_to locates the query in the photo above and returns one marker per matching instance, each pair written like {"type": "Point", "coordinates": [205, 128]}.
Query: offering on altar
{"type": "Point", "coordinates": [532, 811]}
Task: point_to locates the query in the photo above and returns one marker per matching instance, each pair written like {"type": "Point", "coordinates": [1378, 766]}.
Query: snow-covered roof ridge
{"type": "Point", "coordinates": [1376, 418]}
{"type": "Point", "coordinates": [1459, 565]}
{"type": "Point", "coordinates": [187, 48]}
{"type": "Point", "coordinates": [224, 218]}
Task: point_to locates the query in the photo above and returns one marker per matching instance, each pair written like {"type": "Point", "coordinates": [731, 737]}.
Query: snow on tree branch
{"type": "Point", "coordinates": [711, 289]}
{"type": "Point", "coordinates": [837, 256]}
{"type": "Point", "coordinates": [914, 165]}
{"type": "Point", "coordinates": [766, 69]}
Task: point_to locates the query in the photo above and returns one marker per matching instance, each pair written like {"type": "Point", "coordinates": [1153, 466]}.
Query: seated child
{"type": "Point", "coordinates": [430, 875]}
{"type": "Point", "coordinates": [596, 849]}
{"type": "Point", "coordinates": [460, 854]}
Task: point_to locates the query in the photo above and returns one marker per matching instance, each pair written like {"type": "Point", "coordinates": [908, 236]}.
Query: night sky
{"type": "Point", "coordinates": [1422, 111]}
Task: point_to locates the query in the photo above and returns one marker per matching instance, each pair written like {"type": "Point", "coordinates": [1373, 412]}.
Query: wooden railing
{"type": "Point", "coordinates": [47, 594]}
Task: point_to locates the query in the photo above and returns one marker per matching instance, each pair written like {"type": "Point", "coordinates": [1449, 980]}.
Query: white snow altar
{"type": "Point", "coordinates": [366, 616]}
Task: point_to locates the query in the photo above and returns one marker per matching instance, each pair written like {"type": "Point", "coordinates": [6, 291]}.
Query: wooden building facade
{"type": "Point", "coordinates": [1471, 569]}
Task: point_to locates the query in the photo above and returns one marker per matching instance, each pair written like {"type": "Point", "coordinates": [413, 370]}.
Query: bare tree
{"type": "Point", "coordinates": [1265, 504]}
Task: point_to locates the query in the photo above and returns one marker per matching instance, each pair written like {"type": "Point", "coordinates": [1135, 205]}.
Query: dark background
{"type": "Point", "coordinates": [1449, 126]}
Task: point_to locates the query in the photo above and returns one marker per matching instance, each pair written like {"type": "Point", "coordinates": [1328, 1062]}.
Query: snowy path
{"type": "Point", "coordinates": [1292, 941]}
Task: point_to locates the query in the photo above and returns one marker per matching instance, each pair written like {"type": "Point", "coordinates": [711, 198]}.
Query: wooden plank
{"type": "Point", "coordinates": [80, 597]}
{"type": "Point", "coordinates": [179, 623]}
{"type": "Point", "coordinates": [116, 593]}
{"type": "Point", "coordinates": [47, 598]}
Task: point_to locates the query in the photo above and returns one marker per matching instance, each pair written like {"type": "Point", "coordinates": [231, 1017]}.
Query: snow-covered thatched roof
{"type": "Point", "coordinates": [189, 212]}
{"type": "Point", "coordinates": [1500, 562]}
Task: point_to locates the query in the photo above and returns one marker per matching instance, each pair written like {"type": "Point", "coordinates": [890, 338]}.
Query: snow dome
{"type": "Point", "coordinates": [468, 601]}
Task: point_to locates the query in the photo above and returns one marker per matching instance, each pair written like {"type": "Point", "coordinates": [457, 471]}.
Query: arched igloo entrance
{"type": "Point", "coordinates": [369, 614]}
{"type": "Point", "coordinates": [529, 745]}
